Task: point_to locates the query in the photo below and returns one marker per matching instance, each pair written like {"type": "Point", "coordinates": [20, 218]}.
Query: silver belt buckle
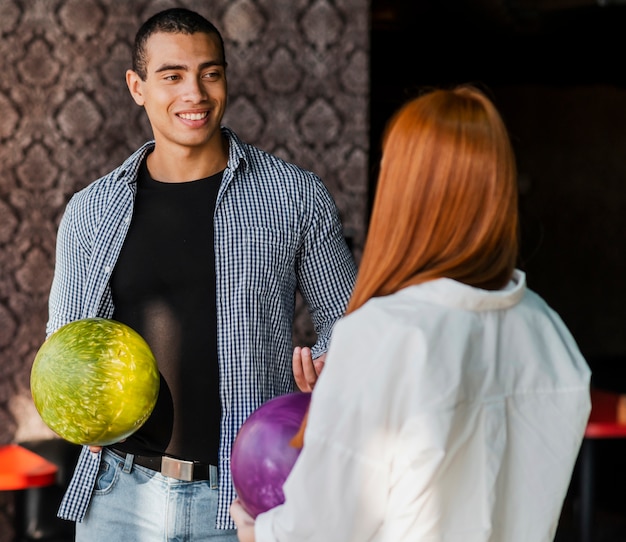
{"type": "Point", "coordinates": [177, 468]}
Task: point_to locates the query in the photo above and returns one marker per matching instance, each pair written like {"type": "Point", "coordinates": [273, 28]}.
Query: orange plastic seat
{"type": "Point", "coordinates": [22, 469]}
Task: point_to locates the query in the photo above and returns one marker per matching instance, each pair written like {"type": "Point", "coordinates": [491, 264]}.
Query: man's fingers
{"type": "Point", "coordinates": [308, 368]}
{"type": "Point", "coordinates": [305, 371]}
{"type": "Point", "coordinates": [296, 362]}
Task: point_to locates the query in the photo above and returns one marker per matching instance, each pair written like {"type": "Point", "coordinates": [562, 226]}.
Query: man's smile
{"type": "Point", "coordinates": [194, 116]}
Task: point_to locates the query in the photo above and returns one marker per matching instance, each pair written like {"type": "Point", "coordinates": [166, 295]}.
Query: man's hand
{"type": "Point", "coordinates": [305, 370]}
{"type": "Point", "coordinates": [243, 521]}
{"type": "Point", "coordinates": [98, 449]}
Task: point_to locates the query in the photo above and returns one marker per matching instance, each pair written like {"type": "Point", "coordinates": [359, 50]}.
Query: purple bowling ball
{"type": "Point", "coordinates": [262, 456]}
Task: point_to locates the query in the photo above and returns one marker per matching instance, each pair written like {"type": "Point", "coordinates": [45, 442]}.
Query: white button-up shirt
{"type": "Point", "coordinates": [444, 413]}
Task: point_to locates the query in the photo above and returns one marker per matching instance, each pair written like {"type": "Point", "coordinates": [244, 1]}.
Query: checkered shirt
{"type": "Point", "coordinates": [276, 229]}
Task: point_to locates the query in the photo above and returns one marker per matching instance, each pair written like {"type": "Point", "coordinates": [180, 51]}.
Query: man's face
{"type": "Point", "coordinates": [184, 93]}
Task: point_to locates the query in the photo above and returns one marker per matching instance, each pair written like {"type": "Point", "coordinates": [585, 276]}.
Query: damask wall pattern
{"type": "Point", "coordinates": [298, 87]}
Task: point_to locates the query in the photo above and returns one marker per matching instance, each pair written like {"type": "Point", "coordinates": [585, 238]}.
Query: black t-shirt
{"type": "Point", "coordinates": [164, 288]}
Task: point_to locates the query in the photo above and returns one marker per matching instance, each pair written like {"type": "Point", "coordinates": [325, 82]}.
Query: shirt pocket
{"type": "Point", "coordinates": [269, 259]}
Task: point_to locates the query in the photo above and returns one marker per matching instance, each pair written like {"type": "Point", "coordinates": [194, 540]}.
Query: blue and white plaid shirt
{"type": "Point", "coordinates": [276, 228]}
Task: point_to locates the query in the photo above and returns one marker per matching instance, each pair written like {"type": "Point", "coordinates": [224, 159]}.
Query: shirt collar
{"type": "Point", "coordinates": [237, 156]}
{"type": "Point", "coordinates": [237, 152]}
{"type": "Point", "coordinates": [130, 168]}
{"type": "Point", "coordinates": [452, 293]}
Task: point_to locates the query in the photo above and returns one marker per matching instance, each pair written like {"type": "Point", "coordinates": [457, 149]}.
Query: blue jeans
{"type": "Point", "coordinates": [131, 503]}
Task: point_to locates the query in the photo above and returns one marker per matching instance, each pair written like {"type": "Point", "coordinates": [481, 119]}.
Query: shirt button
{"type": "Point", "coordinates": [107, 269]}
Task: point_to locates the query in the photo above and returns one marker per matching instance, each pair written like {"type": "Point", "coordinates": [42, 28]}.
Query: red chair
{"type": "Point", "coordinates": [21, 470]}
{"type": "Point", "coordinates": [606, 421]}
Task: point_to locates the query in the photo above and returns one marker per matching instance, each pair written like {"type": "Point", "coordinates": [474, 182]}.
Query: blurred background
{"type": "Point", "coordinates": [314, 81]}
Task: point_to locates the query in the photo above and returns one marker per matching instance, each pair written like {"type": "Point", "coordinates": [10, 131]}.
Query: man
{"type": "Point", "coordinates": [198, 241]}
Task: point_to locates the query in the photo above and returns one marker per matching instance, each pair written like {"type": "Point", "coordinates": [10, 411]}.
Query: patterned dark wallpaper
{"type": "Point", "coordinates": [299, 87]}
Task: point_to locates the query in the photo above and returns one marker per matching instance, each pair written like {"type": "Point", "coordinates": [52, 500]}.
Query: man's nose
{"type": "Point", "coordinates": [194, 89]}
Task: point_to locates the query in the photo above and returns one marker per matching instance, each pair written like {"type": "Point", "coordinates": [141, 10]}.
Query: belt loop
{"type": "Point", "coordinates": [128, 463]}
{"type": "Point", "coordinates": [213, 477]}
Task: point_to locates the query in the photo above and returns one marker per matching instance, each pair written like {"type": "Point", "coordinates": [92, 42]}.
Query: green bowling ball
{"type": "Point", "coordinates": [94, 381]}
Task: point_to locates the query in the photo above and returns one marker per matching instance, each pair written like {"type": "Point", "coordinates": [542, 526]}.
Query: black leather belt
{"type": "Point", "coordinates": [180, 469]}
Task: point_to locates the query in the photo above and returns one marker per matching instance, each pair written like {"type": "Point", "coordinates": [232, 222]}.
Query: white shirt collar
{"type": "Point", "coordinates": [456, 294]}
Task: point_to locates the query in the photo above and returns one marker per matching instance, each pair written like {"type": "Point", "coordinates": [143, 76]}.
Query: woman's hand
{"type": "Point", "coordinates": [243, 521]}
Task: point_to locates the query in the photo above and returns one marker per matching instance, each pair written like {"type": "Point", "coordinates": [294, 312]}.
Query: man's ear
{"type": "Point", "coordinates": [134, 83]}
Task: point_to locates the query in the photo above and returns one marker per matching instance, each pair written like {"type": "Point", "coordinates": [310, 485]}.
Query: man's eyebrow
{"type": "Point", "coordinates": [168, 67]}
{"type": "Point", "coordinates": [183, 67]}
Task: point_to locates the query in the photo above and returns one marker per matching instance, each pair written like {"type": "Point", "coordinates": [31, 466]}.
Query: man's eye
{"type": "Point", "coordinates": [172, 77]}
{"type": "Point", "coordinates": [212, 75]}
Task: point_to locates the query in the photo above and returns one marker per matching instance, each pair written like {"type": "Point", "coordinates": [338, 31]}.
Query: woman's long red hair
{"type": "Point", "coordinates": [446, 200]}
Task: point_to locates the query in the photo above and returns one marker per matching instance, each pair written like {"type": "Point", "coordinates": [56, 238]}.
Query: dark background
{"type": "Point", "coordinates": [555, 70]}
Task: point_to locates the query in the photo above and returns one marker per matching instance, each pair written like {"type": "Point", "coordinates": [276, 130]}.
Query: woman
{"type": "Point", "coordinates": [454, 400]}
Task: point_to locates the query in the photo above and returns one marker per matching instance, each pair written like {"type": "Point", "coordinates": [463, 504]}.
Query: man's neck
{"type": "Point", "coordinates": [176, 164]}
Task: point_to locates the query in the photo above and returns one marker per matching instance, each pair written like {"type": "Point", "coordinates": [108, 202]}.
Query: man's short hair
{"type": "Point", "coordinates": [175, 21]}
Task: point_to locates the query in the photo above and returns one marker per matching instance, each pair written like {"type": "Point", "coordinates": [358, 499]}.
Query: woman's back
{"type": "Point", "coordinates": [448, 410]}
{"type": "Point", "coordinates": [450, 413]}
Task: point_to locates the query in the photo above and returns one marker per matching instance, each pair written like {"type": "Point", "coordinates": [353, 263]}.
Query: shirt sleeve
{"type": "Point", "coordinates": [326, 269]}
{"type": "Point", "coordinates": [70, 272]}
{"type": "Point", "coordinates": [350, 473]}
{"type": "Point", "coordinates": [339, 499]}
{"type": "Point", "coordinates": [335, 495]}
